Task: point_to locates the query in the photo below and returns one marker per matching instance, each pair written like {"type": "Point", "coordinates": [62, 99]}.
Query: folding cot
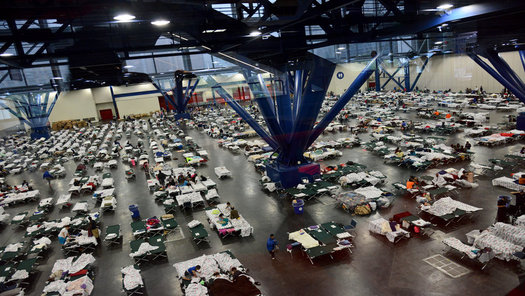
{"type": "Point", "coordinates": [79, 244]}
{"type": "Point", "coordinates": [199, 233]}
{"type": "Point", "coordinates": [38, 247]}
{"type": "Point", "coordinates": [135, 246]}
{"type": "Point", "coordinates": [113, 235]}
{"type": "Point", "coordinates": [170, 207]}
{"type": "Point", "coordinates": [212, 196]}
{"type": "Point", "coordinates": [80, 207]}
{"type": "Point", "coordinates": [382, 227]}
{"type": "Point", "coordinates": [132, 282]}
{"type": "Point", "coordinates": [170, 224]}
{"type": "Point", "coordinates": [160, 195]}
{"type": "Point", "coordinates": [160, 251]}
{"type": "Point", "coordinates": [336, 229]}
{"type": "Point", "coordinates": [12, 252]}
{"type": "Point", "coordinates": [483, 256]}
{"type": "Point", "coordinates": [139, 229]}
{"type": "Point", "coordinates": [24, 270]}
{"type": "Point", "coordinates": [410, 221]}
{"type": "Point", "coordinates": [45, 204]}
{"type": "Point", "coordinates": [20, 220]}
{"type": "Point", "coordinates": [109, 203]}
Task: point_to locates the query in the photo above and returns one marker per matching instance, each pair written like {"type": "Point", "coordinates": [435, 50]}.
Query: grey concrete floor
{"type": "Point", "coordinates": [376, 266]}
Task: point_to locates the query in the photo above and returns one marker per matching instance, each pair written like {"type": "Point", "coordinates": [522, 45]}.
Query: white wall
{"type": "Point", "coordinates": [350, 71]}
{"type": "Point", "coordinates": [455, 72]}
{"type": "Point", "coordinates": [458, 72]}
{"type": "Point", "coordinates": [72, 105]}
{"type": "Point", "coordinates": [137, 104]}
{"type": "Point", "coordinates": [9, 123]}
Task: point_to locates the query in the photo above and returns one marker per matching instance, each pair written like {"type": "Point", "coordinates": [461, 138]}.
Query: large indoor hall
{"type": "Point", "coordinates": [262, 148]}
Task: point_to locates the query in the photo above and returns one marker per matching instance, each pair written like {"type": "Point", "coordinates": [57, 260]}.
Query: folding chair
{"type": "Point", "coordinates": [352, 226]}
{"type": "Point", "coordinates": [199, 234]}
{"type": "Point", "coordinates": [113, 235]}
{"type": "Point", "coordinates": [160, 252]}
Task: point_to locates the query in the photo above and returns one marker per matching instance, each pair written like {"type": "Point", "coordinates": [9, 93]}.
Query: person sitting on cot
{"type": "Point", "coordinates": [194, 271]}
{"type": "Point", "coordinates": [222, 220]}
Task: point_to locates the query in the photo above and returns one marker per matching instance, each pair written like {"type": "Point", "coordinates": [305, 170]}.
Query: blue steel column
{"type": "Point", "coordinates": [179, 96]}
{"type": "Point", "coordinates": [242, 113]}
{"type": "Point", "coordinates": [298, 92]}
{"type": "Point", "coordinates": [266, 106]}
{"type": "Point", "coordinates": [345, 98]}
{"type": "Point", "coordinates": [522, 56]}
{"type": "Point", "coordinates": [32, 111]}
{"type": "Point", "coordinates": [284, 109]}
{"type": "Point", "coordinates": [504, 69]}
{"type": "Point", "coordinates": [391, 77]}
{"type": "Point", "coordinates": [312, 100]}
{"type": "Point", "coordinates": [513, 88]}
{"type": "Point", "coordinates": [419, 74]}
{"type": "Point", "coordinates": [378, 79]}
{"type": "Point", "coordinates": [165, 95]}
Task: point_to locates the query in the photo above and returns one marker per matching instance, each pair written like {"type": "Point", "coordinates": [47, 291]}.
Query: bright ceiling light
{"type": "Point", "coordinates": [255, 33]}
{"type": "Point", "coordinates": [128, 66]}
{"type": "Point", "coordinates": [6, 54]}
{"type": "Point", "coordinates": [341, 48]}
{"type": "Point", "coordinates": [160, 23]}
{"type": "Point", "coordinates": [438, 42]}
{"type": "Point", "coordinates": [57, 78]}
{"type": "Point", "coordinates": [445, 6]}
{"type": "Point", "coordinates": [213, 31]}
{"type": "Point", "coordinates": [123, 18]}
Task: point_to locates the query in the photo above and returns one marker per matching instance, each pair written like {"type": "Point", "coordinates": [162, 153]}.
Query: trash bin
{"type": "Point", "coordinates": [298, 206]}
{"type": "Point", "coordinates": [134, 211]}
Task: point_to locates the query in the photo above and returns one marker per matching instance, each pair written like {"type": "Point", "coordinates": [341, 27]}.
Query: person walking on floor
{"type": "Point", "coordinates": [47, 176]}
{"type": "Point", "coordinates": [272, 245]}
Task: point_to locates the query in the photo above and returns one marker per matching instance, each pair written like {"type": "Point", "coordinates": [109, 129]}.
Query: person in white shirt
{"type": "Point", "coordinates": [64, 233]}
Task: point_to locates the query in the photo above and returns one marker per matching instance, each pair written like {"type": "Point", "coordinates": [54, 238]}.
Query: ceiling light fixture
{"type": "Point", "coordinates": [445, 6]}
{"type": "Point", "coordinates": [160, 23]}
{"type": "Point", "coordinates": [128, 66]}
{"type": "Point", "coordinates": [124, 18]}
{"type": "Point", "coordinates": [6, 54]}
{"type": "Point", "coordinates": [438, 42]}
{"type": "Point", "coordinates": [255, 33]}
{"type": "Point", "coordinates": [341, 48]}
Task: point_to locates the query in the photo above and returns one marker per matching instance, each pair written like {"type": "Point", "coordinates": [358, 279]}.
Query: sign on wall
{"type": "Point", "coordinates": [340, 75]}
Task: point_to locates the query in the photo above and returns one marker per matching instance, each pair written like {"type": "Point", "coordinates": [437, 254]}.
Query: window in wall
{"type": "Point", "coordinates": [169, 64]}
{"type": "Point", "coordinates": [141, 65]}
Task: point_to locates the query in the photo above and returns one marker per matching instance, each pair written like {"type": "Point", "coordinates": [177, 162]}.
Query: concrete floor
{"type": "Point", "coordinates": [376, 267]}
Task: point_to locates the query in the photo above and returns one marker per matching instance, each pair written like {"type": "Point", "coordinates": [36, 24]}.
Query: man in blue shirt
{"type": "Point", "coordinates": [271, 245]}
